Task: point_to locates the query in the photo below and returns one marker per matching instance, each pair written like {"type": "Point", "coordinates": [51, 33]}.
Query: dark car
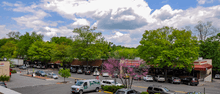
{"type": "Point", "coordinates": [87, 72]}
{"type": "Point", "coordinates": [127, 91]}
{"type": "Point", "coordinates": [137, 77]}
{"type": "Point", "coordinates": [79, 71]}
{"type": "Point", "coordinates": [174, 80]}
{"type": "Point", "coordinates": [3, 84]}
{"type": "Point", "coordinates": [190, 81]}
{"type": "Point", "coordinates": [22, 67]}
{"type": "Point", "coordinates": [40, 73]}
{"type": "Point", "coordinates": [43, 67]}
{"type": "Point", "coordinates": [159, 89]}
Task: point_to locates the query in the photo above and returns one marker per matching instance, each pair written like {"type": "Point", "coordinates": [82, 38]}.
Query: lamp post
{"type": "Point", "coordinates": [5, 59]}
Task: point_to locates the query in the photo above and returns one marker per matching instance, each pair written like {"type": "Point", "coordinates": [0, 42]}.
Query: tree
{"type": "Point", "coordinates": [114, 66]}
{"type": "Point", "coordinates": [168, 47]}
{"type": "Point", "coordinates": [4, 78]}
{"type": "Point", "coordinates": [210, 49]}
{"type": "Point", "coordinates": [205, 29]}
{"type": "Point", "coordinates": [8, 49]}
{"type": "Point", "coordinates": [14, 35]}
{"type": "Point", "coordinates": [41, 50]}
{"type": "Point", "coordinates": [25, 41]}
{"type": "Point", "coordinates": [65, 73]}
{"type": "Point", "coordinates": [61, 40]}
{"type": "Point", "coordinates": [62, 52]}
{"type": "Point", "coordinates": [88, 45]}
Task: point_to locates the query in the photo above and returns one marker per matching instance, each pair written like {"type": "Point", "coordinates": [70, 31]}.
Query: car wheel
{"type": "Point", "coordinates": [80, 92]}
{"type": "Point", "coordinates": [97, 89]}
{"type": "Point", "coordinates": [196, 84]}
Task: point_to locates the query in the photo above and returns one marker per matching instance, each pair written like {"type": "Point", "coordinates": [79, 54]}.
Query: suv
{"type": "Point", "coordinates": [190, 81]}
{"type": "Point", "coordinates": [159, 89]}
{"type": "Point", "coordinates": [127, 91]}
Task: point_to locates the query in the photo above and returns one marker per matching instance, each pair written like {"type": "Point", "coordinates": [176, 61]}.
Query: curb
{"type": "Point", "coordinates": [108, 92]}
{"type": "Point", "coordinates": [37, 78]}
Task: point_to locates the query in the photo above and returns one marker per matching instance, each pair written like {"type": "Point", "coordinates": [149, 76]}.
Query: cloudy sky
{"type": "Point", "coordinates": [121, 21]}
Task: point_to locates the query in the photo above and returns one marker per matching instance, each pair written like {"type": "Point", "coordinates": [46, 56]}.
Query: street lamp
{"type": "Point", "coordinates": [5, 59]}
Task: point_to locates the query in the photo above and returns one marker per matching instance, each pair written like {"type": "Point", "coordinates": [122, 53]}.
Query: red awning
{"type": "Point", "coordinates": [202, 67]}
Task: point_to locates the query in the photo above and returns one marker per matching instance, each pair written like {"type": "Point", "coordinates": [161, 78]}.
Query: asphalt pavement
{"type": "Point", "coordinates": [210, 88]}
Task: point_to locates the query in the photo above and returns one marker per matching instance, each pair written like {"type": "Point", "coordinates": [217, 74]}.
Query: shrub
{"type": "Point", "coordinates": [4, 78]}
{"type": "Point", "coordinates": [144, 93]}
{"type": "Point", "coordinates": [111, 88]}
{"type": "Point", "coordinates": [13, 71]}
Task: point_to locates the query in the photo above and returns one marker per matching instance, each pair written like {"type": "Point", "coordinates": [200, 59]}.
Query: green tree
{"type": "Point", "coordinates": [62, 52]}
{"type": "Point", "coordinates": [41, 50]}
{"type": "Point", "coordinates": [14, 36]}
{"type": "Point", "coordinates": [3, 41]}
{"type": "Point", "coordinates": [25, 41]}
{"type": "Point", "coordinates": [210, 49]}
{"type": "Point", "coordinates": [4, 78]}
{"type": "Point", "coordinates": [169, 47]}
{"type": "Point", "coordinates": [89, 45]}
{"type": "Point", "coordinates": [8, 50]}
{"type": "Point", "coordinates": [62, 40]}
{"type": "Point", "coordinates": [65, 73]}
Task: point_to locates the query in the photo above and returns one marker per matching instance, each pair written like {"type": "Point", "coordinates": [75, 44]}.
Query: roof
{"type": "Point", "coordinates": [124, 89]}
{"type": "Point", "coordinates": [203, 67]}
{"type": "Point", "coordinates": [89, 80]}
{"type": "Point", "coordinates": [109, 80]}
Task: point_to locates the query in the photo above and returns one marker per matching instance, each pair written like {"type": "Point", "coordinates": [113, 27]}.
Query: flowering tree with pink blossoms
{"type": "Point", "coordinates": [124, 70]}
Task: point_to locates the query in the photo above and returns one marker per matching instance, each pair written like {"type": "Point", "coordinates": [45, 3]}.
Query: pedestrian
{"type": "Point", "coordinates": [75, 81]}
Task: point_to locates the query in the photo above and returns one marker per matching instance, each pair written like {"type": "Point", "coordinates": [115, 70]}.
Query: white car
{"type": "Point", "coordinates": [148, 78]}
{"type": "Point", "coordinates": [217, 76]}
{"type": "Point", "coordinates": [160, 78]}
{"type": "Point", "coordinates": [96, 72]}
{"type": "Point", "coordinates": [109, 83]}
{"type": "Point", "coordinates": [52, 75]}
{"type": "Point", "coordinates": [105, 74]}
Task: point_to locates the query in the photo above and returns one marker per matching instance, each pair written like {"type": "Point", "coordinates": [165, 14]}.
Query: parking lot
{"type": "Point", "coordinates": [27, 85]}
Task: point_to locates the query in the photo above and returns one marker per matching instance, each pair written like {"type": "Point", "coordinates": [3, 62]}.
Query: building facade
{"type": "Point", "coordinates": [5, 68]}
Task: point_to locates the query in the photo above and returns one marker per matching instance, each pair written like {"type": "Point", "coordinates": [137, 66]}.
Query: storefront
{"type": "Point", "coordinates": [5, 68]}
{"type": "Point", "coordinates": [203, 69]}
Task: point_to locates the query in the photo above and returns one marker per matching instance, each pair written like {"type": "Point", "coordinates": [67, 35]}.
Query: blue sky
{"type": "Point", "coordinates": [121, 21]}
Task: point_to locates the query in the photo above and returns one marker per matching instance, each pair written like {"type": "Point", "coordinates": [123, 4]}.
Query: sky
{"type": "Point", "coordinates": [121, 21]}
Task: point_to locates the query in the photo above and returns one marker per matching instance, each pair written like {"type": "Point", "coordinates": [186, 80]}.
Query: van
{"type": "Point", "coordinates": [85, 86]}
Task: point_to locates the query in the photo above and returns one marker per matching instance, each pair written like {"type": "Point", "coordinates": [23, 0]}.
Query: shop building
{"type": "Point", "coordinates": [5, 68]}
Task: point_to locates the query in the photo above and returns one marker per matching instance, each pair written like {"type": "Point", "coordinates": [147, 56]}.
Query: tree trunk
{"type": "Point", "coordinates": [131, 82]}
{"type": "Point", "coordinates": [125, 83]}
{"type": "Point", "coordinates": [165, 74]}
{"type": "Point", "coordinates": [64, 79]}
{"type": "Point", "coordinates": [122, 82]}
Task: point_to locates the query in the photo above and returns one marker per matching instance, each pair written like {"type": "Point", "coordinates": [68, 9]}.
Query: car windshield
{"type": "Point", "coordinates": [149, 76]}
{"type": "Point", "coordinates": [78, 83]}
{"type": "Point", "coordinates": [175, 78]}
{"type": "Point", "coordinates": [114, 82]}
{"type": "Point", "coordinates": [120, 92]}
{"type": "Point", "coordinates": [166, 89]}
{"type": "Point", "coordinates": [53, 74]}
{"type": "Point", "coordinates": [42, 72]}
{"type": "Point", "coordinates": [161, 76]}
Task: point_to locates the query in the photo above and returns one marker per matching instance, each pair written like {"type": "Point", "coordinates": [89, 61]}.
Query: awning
{"type": "Point", "coordinates": [203, 67]}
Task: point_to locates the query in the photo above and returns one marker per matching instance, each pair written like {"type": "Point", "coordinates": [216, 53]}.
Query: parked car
{"type": "Point", "coordinates": [136, 77]}
{"type": "Point", "coordinates": [22, 67]}
{"type": "Point", "coordinates": [174, 80]}
{"type": "Point", "coordinates": [193, 92]}
{"type": "Point", "coordinates": [34, 66]}
{"type": "Point", "coordinates": [43, 67]}
{"type": "Point", "coordinates": [115, 75]}
{"type": "Point", "coordinates": [105, 74]}
{"type": "Point", "coordinates": [73, 70]}
{"type": "Point", "coordinates": [148, 78]}
{"type": "Point", "coordinates": [79, 71]}
{"type": "Point", "coordinates": [96, 72]}
{"type": "Point", "coordinates": [52, 75]}
{"type": "Point", "coordinates": [38, 66]}
{"type": "Point", "coordinates": [86, 85]}
{"type": "Point", "coordinates": [3, 84]}
{"type": "Point", "coordinates": [127, 91]}
{"type": "Point", "coordinates": [217, 76]}
{"type": "Point", "coordinates": [40, 73]}
{"type": "Point", "coordinates": [190, 81]}
{"type": "Point", "coordinates": [159, 89]}
{"type": "Point", "coordinates": [160, 78]}
{"type": "Point", "coordinates": [87, 72]}
{"type": "Point", "coordinates": [109, 83]}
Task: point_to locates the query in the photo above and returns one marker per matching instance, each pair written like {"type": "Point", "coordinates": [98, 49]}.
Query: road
{"type": "Point", "coordinates": [211, 88]}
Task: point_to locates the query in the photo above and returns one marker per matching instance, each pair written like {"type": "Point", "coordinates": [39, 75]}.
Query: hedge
{"type": "Point", "coordinates": [13, 71]}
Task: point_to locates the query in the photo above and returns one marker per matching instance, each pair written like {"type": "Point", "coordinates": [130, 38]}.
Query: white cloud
{"type": "Point", "coordinates": [110, 14]}
{"type": "Point", "coordinates": [7, 3]}
{"type": "Point", "coordinates": [3, 31]}
{"type": "Point", "coordinates": [81, 22]}
{"type": "Point", "coordinates": [204, 1]}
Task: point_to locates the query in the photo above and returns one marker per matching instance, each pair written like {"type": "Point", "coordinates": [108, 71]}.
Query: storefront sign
{"type": "Point", "coordinates": [2, 64]}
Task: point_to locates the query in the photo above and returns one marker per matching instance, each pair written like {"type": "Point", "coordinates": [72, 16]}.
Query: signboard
{"type": "Point", "coordinates": [2, 64]}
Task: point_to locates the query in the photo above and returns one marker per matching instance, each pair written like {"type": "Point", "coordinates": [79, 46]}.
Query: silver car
{"type": "Point", "coordinates": [79, 71]}
{"type": "Point", "coordinates": [217, 76]}
{"type": "Point", "coordinates": [160, 78]}
{"type": "Point", "coordinates": [52, 75]}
